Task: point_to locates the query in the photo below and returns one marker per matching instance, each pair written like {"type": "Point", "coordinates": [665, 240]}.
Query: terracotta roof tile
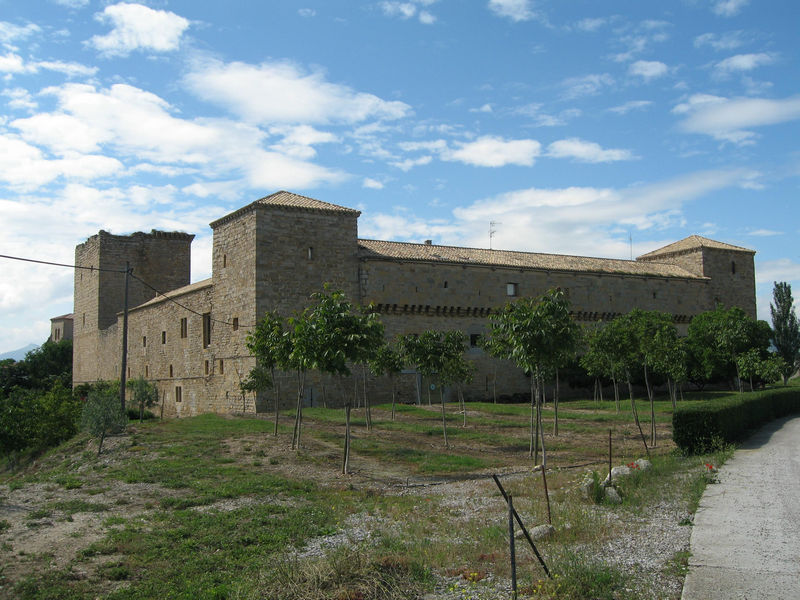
{"type": "Point", "coordinates": [691, 243]}
{"type": "Point", "coordinates": [181, 291]}
{"type": "Point", "coordinates": [288, 200]}
{"type": "Point", "coordinates": [379, 250]}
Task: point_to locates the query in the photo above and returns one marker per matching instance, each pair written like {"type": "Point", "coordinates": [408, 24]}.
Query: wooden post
{"type": "Point", "coordinates": [346, 458]}
{"type": "Point", "coordinates": [511, 548]}
{"type": "Point", "coordinates": [546, 495]}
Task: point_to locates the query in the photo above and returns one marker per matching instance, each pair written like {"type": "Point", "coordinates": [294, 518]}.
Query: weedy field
{"type": "Point", "coordinates": [218, 507]}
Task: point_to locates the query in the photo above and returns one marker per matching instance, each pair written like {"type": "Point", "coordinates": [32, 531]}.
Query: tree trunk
{"type": "Point", "coordinates": [394, 393]}
{"type": "Point", "coordinates": [346, 459]}
{"type": "Point", "coordinates": [540, 428]}
{"type": "Point", "coordinates": [298, 415]}
{"type": "Point", "coordinates": [494, 384]}
{"type": "Point", "coordinates": [463, 405]}
{"type": "Point", "coordinates": [652, 407]}
{"type": "Point", "coordinates": [276, 393]}
{"type": "Point", "coordinates": [533, 404]}
{"type": "Point", "coordinates": [635, 412]}
{"type": "Point", "coordinates": [616, 392]}
{"type": "Point", "coordinates": [100, 445]}
{"type": "Point", "coordinates": [419, 391]}
{"type": "Point", "coordinates": [555, 408]}
{"type": "Point", "coordinates": [367, 407]}
{"type": "Point", "coordinates": [444, 420]}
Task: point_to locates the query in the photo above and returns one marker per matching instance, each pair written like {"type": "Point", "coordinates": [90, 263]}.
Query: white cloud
{"type": "Point", "coordinates": [541, 119]}
{"type": "Point", "coordinates": [138, 27]}
{"type": "Point", "coordinates": [516, 10]}
{"type": "Point", "coordinates": [629, 106]}
{"type": "Point", "coordinates": [15, 64]}
{"type": "Point", "coordinates": [730, 119]}
{"type": "Point", "coordinates": [586, 85]}
{"type": "Point", "coordinates": [280, 92]}
{"type": "Point", "coordinates": [19, 99]}
{"type": "Point", "coordinates": [719, 42]}
{"type": "Point", "coordinates": [743, 62]}
{"type": "Point", "coordinates": [72, 3]}
{"type": "Point", "coordinates": [407, 10]}
{"type": "Point", "coordinates": [729, 8]}
{"type": "Point", "coordinates": [409, 163]}
{"type": "Point", "coordinates": [9, 32]}
{"type": "Point", "coordinates": [426, 18]}
{"type": "Point", "coordinates": [584, 151]}
{"type": "Point", "coordinates": [593, 24]}
{"type": "Point", "coordinates": [648, 69]}
{"type": "Point", "coordinates": [298, 141]}
{"type": "Point", "coordinates": [491, 151]}
{"type": "Point", "coordinates": [371, 184]}
{"type": "Point", "coordinates": [307, 12]}
{"type": "Point", "coordinates": [764, 232]}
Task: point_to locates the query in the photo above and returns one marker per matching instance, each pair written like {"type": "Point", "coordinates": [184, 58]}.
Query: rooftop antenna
{"type": "Point", "coordinates": [630, 242]}
{"type": "Point", "coordinates": [492, 231]}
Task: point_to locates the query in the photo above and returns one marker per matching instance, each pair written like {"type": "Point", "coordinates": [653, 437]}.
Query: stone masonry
{"type": "Point", "coordinates": [272, 254]}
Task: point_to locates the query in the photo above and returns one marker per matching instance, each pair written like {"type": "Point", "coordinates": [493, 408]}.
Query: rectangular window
{"type": "Point", "coordinates": [511, 289]}
{"type": "Point", "coordinates": [221, 367]}
{"type": "Point", "coordinates": [474, 340]}
{"type": "Point", "coordinates": [144, 341]}
{"type": "Point", "coordinates": [178, 393]}
{"type": "Point", "coordinates": [170, 371]}
{"type": "Point", "coordinates": [310, 253]}
{"type": "Point", "coordinates": [184, 327]}
{"type": "Point", "coordinates": [146, 371]}
{"type": "Point", "coordinates": [206, 367]}
{"type": "Point", "coordinates": [236, 323]}
{"type": "Point", "coordinates": [163, 337]}
{"type": "Point", "coordinates": [206, 330]}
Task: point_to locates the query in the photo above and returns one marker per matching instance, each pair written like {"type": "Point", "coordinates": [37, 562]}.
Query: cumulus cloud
{"type": "Point", "coordinates": [743, 62]}
{"type": "Point", "coordinates": [719, 42]}
{"type": "Point", "coordinates": [298, 141]}
{"type": "Point", "coordinates": [408, 10]}
{"type": "Point", "coordinates": [14, 64]}
{"type": "Point", "coordinates": [281, 92]}
{"type": "Point", "coordinates": [491, 151]}
{"type": "Point", "coordinates": [586, 85]}
{"type": "Point", "coordinates": [371, 184]}
{"type": "Point", "coordinates": [516, 10]}
{"type": "Point", "coordinates": [731, 120]}
{"type": "Point", "coordinates": [542, 119]}
{"type": "Point", "coordinates": [583, 151]}
{"type": "Point", "coordinates": [648, 69]}
{"type": "Point", "coordinates": [9, 32]}
{"type": "Point", "coordinates": [138, 27]}
{"type": "Point", "coordinates": [593, 24]}
{"type": "Point", "coordinates": [729, 8]}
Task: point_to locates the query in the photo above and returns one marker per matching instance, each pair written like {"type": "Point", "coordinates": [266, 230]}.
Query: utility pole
{"type": "Point", "coordinates": [124, 361]}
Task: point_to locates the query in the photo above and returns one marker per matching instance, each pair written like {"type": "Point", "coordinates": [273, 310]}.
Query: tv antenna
{"type": "Point", "coordinates": [492, 231]}
{"type": "Point", "coordinates": [630, 242]}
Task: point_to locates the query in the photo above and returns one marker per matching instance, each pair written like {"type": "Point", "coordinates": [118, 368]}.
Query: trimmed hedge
{"type": "Point", "coordinates": [702, 426]}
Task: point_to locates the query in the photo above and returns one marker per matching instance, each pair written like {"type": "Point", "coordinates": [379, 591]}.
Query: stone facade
{"type": "Point", "coordinates": [273, 253]}
{"type": "Point", "coordinates": [61, 328]}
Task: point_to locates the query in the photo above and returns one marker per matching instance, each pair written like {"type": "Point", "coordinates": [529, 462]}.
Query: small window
{"type": "Point", "coordinates": [206, 367]}
{"type": "Point", "coordinates": [206, 330]}
{"type": "Point", "coordinates": [310, 253]}
{"type": "Point", "coordinates": [178, 393]}
{"type": "Point", "coordinates": [445, 284]}
{"type": "Point", "coordinates": [144, 341]}
{"type": "Point", "coordinates": [146, 371]}
{"type": "Point", "coordinates": [129, 372]}
{"type": "Point", "coordinates": [511, 289]}
{"type": "Point", "coordinates": [184, 327]}
{"type": "Point", "coordinates": [236, 323]}
{"type": "Point", "coordinates": [474, 340]}
{"type": "Point", "coordinates": [163, 337]}
{"type": "Point", "coordinates": [733, 267]}
{"type": "Point", "coordinates": [221, 367]}
{"type": "Point", "coordinates": [84, 319]}
{"type": "Point", "coordinates": [171, 372]}
{"type": "Point", "coordinates": [224, 260]}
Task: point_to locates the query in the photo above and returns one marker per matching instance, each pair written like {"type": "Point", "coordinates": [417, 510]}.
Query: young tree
{"type": "Point", "coordinates": [145, 394]}
{"type": "Point", "coordinates": [390, 362]}
{"type": "Point", "coordinates": [456, 369]}
{"type": "Point", "coordinates": [785, 328]}
{"type": "Point", "coordinates": [103, 414]}
{"type": "Point", "coordinates": [270, 345]}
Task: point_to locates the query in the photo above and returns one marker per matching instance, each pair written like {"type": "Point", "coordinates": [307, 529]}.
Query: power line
{"type": "Point", "coordinates": [139, 279]}
{"type": "Point", "coordinates": [47, 262]}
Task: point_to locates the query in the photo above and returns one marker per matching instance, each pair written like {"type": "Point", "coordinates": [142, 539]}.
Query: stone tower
{"type": "Point", "coordinates": [730, 269]}
{"type": "Point", "coordinates": [162, 259]}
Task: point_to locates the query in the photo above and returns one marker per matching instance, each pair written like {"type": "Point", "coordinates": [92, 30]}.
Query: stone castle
{"type": "Point", "coordinates": [272, 254]}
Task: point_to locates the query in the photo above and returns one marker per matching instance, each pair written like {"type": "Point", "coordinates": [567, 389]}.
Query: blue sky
{"type": "Point", "coordinates": [581, 127]}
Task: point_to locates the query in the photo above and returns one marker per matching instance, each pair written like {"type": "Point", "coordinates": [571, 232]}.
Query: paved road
{"type": "Point", "coordinates": [746, 536]}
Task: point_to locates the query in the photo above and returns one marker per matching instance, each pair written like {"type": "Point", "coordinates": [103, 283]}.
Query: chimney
{"type": "Point", "coordinates": [428, 242]}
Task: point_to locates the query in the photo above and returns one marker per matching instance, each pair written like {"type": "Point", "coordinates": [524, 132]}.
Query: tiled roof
{"type": "Point", "coordinates": [379, 250]}
{"type": "Point", "coordinates": [181, 291]}
{"type": "Point", "coordinates": [289, 200]}
{"type": "Point", "coordinates": [692, 243]}
{"type": "Point", "coordinates": [67, 317]}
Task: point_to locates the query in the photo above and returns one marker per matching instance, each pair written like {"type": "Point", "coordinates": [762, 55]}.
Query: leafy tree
{"type": "Point", "coordinates": [145, 394]}
{"type": "Point", "coordinates": [456, 369]}
{"type": "Point", "coordinates": [103, 414]}
{"type": "Point", "coordinates": [785, 328]}
{"type": "Point", "coordinates": [537, 334]}
{"type": "Point", "coordinates": [50, 362]}
{"type": "Point", "coordinates": [388, 361]}
{"type": "Point", "coordinates": [364, 341]}
{"type": "Point", "coordinates": [270, 345]}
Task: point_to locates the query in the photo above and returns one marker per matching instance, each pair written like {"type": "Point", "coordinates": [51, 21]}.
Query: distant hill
{"type": "Point", "coordinates": [19, 353]}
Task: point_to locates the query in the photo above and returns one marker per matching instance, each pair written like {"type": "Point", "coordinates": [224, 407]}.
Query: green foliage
{"type": "Point", "coordinates": [145, 394]}
{"type": "Point", "coordinates": [41, 368]}
{"type": "Point", "coordinates": [103, 414]}
{"type": "Point", "coordinates": [388, 360]}
{"type": "Point", "coordinates": [785, 328]}
{"type": "Point", "coordinates": [32, 419]}
{"type": "Point", "coordinates": [703, 426]}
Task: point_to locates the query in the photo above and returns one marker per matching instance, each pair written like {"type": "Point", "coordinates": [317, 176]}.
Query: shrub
{"type": "Point", "coordinates": [102, 414]}
{"type": "Point", "coordinates": [704, 426]}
